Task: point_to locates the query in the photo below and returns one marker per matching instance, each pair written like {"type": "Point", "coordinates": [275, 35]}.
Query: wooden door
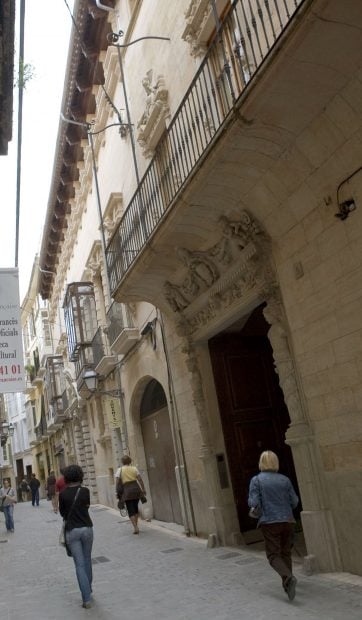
{"type": "Point", "coordinates": [160, 457]}
{"type": "Point", "coordinates": [253, 413]}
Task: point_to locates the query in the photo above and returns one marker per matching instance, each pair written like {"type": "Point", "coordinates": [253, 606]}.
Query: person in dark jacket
{"type": "Point", "coordinates": [74, 503]}
{"type": "Point", "coordinates": [34, 487]}
{"type": "Point", "coordinates": [50, 489]}
{"type": "Point", "coordinates": [24, 488]}
{"type": "Point", "coordinates": [273, 494]}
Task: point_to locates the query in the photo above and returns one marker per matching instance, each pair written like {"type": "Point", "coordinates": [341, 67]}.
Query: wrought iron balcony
{"type": "Point", "coordinates": [246, 36]}
{"type": "Point", "coordinates": [104, 361]}
{"type": "Point", "coordinates": [122, 333]}
{"type": "Point", "coordinates": [54, 388]}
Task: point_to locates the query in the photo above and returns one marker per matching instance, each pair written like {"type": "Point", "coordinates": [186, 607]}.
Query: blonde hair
{"type": "Point", "coordinates": [268, 461]}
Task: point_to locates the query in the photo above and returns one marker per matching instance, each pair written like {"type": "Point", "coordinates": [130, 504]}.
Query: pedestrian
{"type": "Point", "coordinates": [34, 485]}
{"type": "Point", "coordinates": [74, 503]}
{"type": "Point", "coordinates": [24, 489]}
{"type": "Point", "coordinates": [8, 499]}
{"type": "Point", "coordinates": [51, 491]}
{"type": "Point", "coordinates": [273, 495]}
{"type": "Point", "coordinates": [130, 489]}
{"type": "Point", "coordinates": [59, 486]}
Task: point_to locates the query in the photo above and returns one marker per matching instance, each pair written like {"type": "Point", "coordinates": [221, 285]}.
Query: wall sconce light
{"type": "Point", "coordinates": [345, 208]}
{"type": "Point", "coordinates": [348, 205]}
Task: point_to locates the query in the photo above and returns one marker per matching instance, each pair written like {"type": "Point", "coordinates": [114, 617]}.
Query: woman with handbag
{"type": "Point", "coordinates": [8, 499]}
{"type": "Point", "coordinates": [272, 498]}
{"type": "Point", "coordinates": [74, 503]}
{"type": "Point", "coordinates": [130, 490]}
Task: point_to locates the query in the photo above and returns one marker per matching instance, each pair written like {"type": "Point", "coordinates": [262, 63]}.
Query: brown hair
{"type": "Point", "coordinates": [126, 460]}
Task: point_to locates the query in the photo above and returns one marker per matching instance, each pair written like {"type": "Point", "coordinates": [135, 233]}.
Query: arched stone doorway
{"type": "Point", "coordinates": [159, 452]}
{"type": "Point", "coordinates": [253, 413]}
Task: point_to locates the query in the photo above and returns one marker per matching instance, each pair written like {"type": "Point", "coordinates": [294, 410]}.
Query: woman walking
{"type": "Point", "coordinates": [8, 499]}
{"type": "Point", "coordinates": [273, 495]}
{"type": "Point", "coordinates": [130, 489]}
{"type": "Point", "coordinates": [74, 503]}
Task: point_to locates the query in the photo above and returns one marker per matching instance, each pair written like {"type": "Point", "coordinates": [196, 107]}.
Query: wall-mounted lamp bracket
{"type": "Point", "coordinates": [345, 208]}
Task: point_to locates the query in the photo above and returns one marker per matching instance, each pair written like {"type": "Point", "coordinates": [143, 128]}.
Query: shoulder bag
{"type": "Point", "coordinates": [3, 500]}
{"type": "Point", "coordinates": [62, 539]}
{"type": "Point", "coordinates": [255, 512]}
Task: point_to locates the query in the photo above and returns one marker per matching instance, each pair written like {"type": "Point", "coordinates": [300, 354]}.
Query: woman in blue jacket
{"type": "Point", "coordinates": [273, 494]}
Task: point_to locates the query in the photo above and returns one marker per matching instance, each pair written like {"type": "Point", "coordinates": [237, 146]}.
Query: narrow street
{"type": "Point", "coordinates": [159, 574]}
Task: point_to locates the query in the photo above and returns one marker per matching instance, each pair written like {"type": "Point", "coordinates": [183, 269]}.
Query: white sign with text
{"type": "Point", "coordinates": [11, 342]}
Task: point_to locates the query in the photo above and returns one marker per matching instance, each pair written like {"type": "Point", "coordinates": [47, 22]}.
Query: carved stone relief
{"type": "Point", "coordinates": [200, 23]}
{"type": "Point", "coordinates": [112, 213]}
{"type": "Point", "coordinates": [215, 278]}
{"type": "Point", "coordinates": [283, 360]}
{"type": "Point", "coordinates": [95, 260]}
{"type": "Point", "coordinates": [152, 123]}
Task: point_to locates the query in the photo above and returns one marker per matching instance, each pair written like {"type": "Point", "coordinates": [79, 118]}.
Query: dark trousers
{"type": "Point", "coordinates": [278, 539]}
{"type": "Point", "coordinates": [35, 497]}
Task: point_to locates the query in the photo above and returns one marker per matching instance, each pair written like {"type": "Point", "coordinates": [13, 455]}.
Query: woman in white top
{"type": "Point", "coordinates": [8, 499]}
{"type": "Point", "coordinates": [130, 489]}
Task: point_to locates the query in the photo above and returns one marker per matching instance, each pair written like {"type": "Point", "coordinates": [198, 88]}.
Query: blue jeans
{"type": "Point", "coordinates": [35, 497]}
{"type": "Point", "coordinates": [80, 541]}
{"type": "Point", "coordinates": [9, 518]}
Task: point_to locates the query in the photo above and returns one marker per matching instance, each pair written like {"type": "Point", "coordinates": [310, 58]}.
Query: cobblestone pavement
{"type": "Point", "coordinates": [158, 574]}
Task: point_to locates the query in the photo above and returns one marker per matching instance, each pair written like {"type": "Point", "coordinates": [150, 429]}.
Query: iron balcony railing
{"type": "Point", "coordinates": [246, 36]}
{"type": "Point", "coordinates": [65, 402]}
{"type": "Point", "coordinates": [98, 347]}
{"type": "Point", "coordinates": [118, 318]}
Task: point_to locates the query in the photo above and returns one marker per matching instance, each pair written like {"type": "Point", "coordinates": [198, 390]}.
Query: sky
{"type": "Point", "coordinates": [47, 31]}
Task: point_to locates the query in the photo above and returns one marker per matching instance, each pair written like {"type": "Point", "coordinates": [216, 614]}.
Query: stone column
{"type": "Point", "coordinates": [317, 519]}
{"type": "Point", "coordinates": [218, 534]}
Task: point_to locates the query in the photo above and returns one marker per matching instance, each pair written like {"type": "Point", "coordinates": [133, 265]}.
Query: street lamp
{"type": "Point", "coordinates": [90, 379]}
{"type": "Point", "coordinates": [7, 430]}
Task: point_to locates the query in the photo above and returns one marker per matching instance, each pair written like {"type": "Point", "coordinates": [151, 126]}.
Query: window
{"type": "Point", "coordinates": [47, 334]}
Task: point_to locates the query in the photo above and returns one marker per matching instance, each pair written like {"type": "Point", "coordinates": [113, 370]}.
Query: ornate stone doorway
{"type": "Point", "coordinates": [253, 412]}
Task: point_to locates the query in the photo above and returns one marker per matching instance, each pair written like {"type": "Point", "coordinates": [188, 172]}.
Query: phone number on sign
{"type": "Point", "coordinates": [14, 369]}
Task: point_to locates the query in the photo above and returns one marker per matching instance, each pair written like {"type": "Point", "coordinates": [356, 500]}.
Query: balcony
{"type": "Point", "coordinates": [56, 396]}
{"type": "Point", "coordinates": [80, 317]}
{"type": "Point", "coordinates": [52, 425]}
{"type": "Point", "coordinates": [246, 147]}
{"type": "Point", "coordinates": [122, 334]}
{"type": "Point", "coordinates": [41, 431]}
{"type": "Point", "coordinates": [104, 361]}
{"type": "Point", "coordinates": [246, 37]}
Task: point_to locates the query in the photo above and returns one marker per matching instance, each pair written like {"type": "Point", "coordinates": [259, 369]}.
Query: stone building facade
{"type": "Point", "coordinates": [202, 237]}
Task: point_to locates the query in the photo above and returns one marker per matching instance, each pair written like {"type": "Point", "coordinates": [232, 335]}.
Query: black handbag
{"type": "Point", "coordinates": [62, 536]}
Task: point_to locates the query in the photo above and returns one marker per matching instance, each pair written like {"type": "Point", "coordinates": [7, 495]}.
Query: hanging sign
{"type": "Point", "coordinates": [11, 343]}
{"type": "Point", "coordinates": [113, 410]}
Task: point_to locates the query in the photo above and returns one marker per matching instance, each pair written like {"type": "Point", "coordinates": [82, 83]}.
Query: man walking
{"type": "Point", "coordinates": [34, 487]}
{"type": "Point", "coordinates": [24, 487]}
